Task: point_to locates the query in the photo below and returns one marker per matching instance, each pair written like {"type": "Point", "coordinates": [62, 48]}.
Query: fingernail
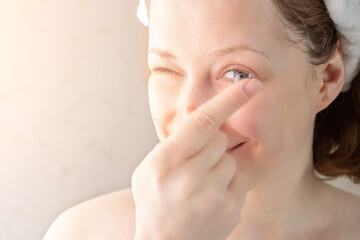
{"type": "Point", "coordinates": [252, 87]}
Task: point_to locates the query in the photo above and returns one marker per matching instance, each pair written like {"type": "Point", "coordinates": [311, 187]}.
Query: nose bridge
{"type": "Point", "coordinates": [197, 91]}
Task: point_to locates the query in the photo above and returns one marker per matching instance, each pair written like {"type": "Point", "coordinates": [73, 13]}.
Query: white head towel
{"type": "Point", "coordinates": [142, 13]}
{"type": "Point", "coordinates": [345, 14]}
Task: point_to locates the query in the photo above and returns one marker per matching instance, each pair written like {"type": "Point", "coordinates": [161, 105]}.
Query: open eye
{"type": "Point", "coordinates": [237, 75]}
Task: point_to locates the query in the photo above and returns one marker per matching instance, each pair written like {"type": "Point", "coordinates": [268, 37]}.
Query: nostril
{"type": "Point", "coordinates": [236, 146]}
{"type": "Point", "coordinates": [239, 144]}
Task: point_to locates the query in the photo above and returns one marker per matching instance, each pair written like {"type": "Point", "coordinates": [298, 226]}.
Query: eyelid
{"type": "Point", "coordinates": [236, 70]}
{"type": "Point", "coordinates": [160, 70]}
{"type": "Point", "coordinates": [163, 70]}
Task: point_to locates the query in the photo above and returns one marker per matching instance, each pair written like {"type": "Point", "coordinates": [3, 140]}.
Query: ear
{"type": "Point", "coordinates": [332, 80]}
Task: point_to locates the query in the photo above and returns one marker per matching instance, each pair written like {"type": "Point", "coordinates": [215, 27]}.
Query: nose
{"type": "Point", "coordinates": [195, 94]}
{"type": "Point", "coordinates": [190, 108]}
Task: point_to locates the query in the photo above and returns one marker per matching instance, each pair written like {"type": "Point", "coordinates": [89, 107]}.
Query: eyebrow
{"type": "Point", "coordinates": [218, 52]}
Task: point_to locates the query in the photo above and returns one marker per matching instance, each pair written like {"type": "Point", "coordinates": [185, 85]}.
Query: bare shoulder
{"type": "Point", "coordinates": [351, 213]}
{"type": "Point", "coordinates": [109, 216]}
{"type": "Point", "coordinates": [346, 216]}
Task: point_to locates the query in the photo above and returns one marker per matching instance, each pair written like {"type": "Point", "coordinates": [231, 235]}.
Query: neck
{"type": "Point", "coordinates": [277, 208]}
{"type": "Point", "coordinates": [272, 213]}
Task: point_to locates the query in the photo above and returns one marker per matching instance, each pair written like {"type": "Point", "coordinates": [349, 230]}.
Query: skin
{"type": "Point", "coordinates": [265, 190]}
{"type": "Point", "coordinates": [277, 124]}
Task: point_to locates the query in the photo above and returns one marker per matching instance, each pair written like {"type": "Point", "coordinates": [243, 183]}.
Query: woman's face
{"type": "Point", "coordinates": [196, 48]}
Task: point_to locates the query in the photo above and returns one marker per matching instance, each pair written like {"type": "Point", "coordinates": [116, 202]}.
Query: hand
{"type": "Point", "coordinates": [187, 186]}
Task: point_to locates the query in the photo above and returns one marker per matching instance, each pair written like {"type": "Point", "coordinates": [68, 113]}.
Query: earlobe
{"type": "Point", "coordinates": [332, 79]}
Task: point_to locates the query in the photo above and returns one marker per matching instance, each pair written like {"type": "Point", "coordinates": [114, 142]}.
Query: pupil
{"type": "Point", "coordinates": [242, 75]}
{"type": "Point", "coordinates": [237, 75]}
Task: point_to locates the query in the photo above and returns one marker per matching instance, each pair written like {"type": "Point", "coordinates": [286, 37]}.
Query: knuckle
{"type": "Point", "coordinates": [160, 149]}
{"type": "Point", "coordinates": [159, 157]}
{"type": "Point", "coordinates": [185, 188]}
{"type": "Point", "coordinates": [184, 193]}
{"type": "Point", "coordinates": [147, 176]}
{"type": "Point", "coordinates": [204, 203]}
{"type": "Point", "coordinates": [156, 165]}
{"type": "Point", "coordinates": [156, 176]}
{"type": "Point", "coordinates": [216, 198]}
{"type": "Point", "coordinates": [204, 122]}
{"type": "Point", "coordinates": [188, 182]}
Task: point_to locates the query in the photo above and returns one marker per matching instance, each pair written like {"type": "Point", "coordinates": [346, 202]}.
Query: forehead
{"type": "Point", "coordinates": [212, 23]}
{"type": "Point", "coordinates": [225, 8]}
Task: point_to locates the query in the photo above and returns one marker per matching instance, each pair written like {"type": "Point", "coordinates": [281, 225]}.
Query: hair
{"type": "Point", "coordinates": [336, 143]}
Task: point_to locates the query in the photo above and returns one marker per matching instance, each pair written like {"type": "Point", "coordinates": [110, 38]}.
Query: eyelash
{"type": "Point", "coordinates": [163, 70]}
{"type": "Point", "coordinates": [168, 71]}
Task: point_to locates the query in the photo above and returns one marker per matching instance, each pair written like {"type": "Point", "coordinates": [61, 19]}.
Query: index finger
{"type": "Point", "coordinates": [198, 127]}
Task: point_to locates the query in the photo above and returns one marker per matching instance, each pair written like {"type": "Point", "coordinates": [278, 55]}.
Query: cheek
{"type": "Point", "coordinates": [255, 121]}
{"type": "Point", "coordinates": [276, 123]}
{"type": "Point", "coordinates": [162, 101]}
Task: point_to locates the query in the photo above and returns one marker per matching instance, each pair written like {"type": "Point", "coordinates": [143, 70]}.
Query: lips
{"type": "Point", "coordinates": [235, 147]}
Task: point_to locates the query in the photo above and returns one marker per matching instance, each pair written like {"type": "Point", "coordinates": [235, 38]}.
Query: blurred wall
{"type": "Point", "coordinates": [74, 116]}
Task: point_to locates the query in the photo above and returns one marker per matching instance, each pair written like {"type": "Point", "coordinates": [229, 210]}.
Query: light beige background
{"type": "Point", "coordinates": [74, 116]}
